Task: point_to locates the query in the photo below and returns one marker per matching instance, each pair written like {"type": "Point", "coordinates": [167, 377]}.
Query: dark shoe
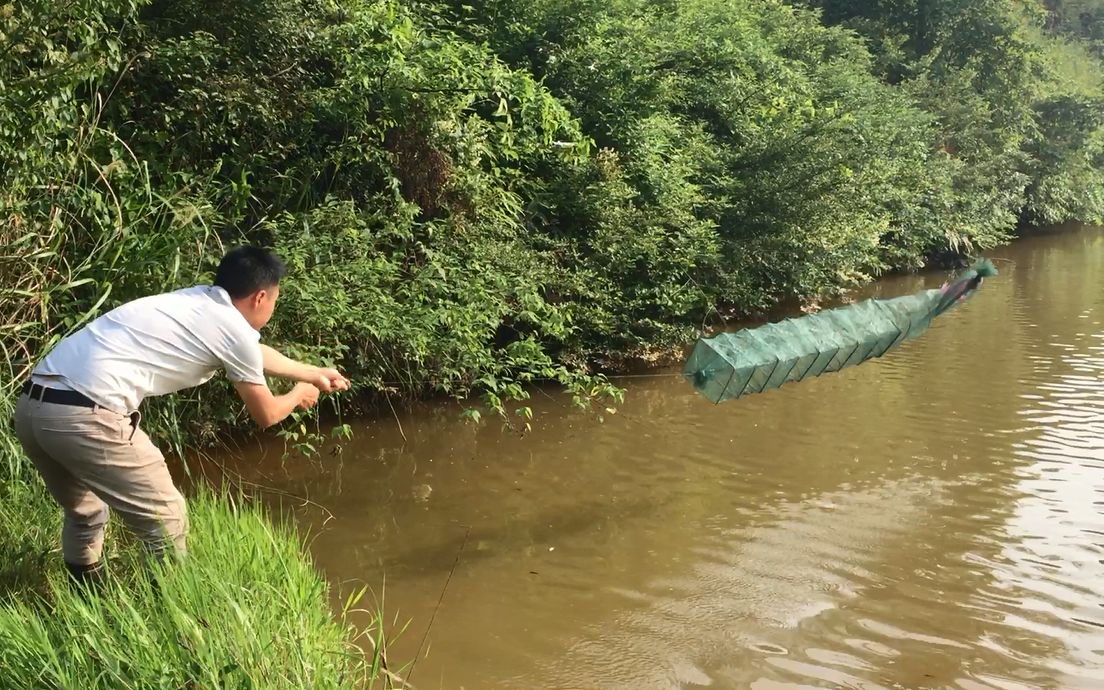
{"type": "Point", "coordinates": [86, 576]}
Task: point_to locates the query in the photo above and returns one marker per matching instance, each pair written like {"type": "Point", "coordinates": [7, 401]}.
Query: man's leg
{"type": "Point", "coordinates": [85, 515]}
{"type": "Point", "coordinates": [118, 462]}
{"type": "Point", "coordinates": [156, 510]}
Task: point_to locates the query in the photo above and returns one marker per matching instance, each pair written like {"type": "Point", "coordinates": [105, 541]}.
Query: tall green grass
{"type": "Point", "coordinates": [246, 609]}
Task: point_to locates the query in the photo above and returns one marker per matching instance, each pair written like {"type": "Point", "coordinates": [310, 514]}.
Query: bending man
{"type": "Point", "coordinates": [77, 418]}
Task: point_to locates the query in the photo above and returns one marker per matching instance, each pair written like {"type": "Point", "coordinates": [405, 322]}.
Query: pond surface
{"type": "Point", "coordinates": [932, 519]}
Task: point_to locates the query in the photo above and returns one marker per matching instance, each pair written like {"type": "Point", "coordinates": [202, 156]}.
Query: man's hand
{"type": "Point", "coordinates": [307, 395]}
{"type": "Point", "coordinates": [329, 380]}
{"type": "Point", "coordinates": [326, 380]}
{"type": "Point", "coordinates": [268, 409]}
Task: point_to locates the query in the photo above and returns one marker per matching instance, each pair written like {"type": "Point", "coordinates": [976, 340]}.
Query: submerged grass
{"type": "Point", "coordinates": [246, 609]}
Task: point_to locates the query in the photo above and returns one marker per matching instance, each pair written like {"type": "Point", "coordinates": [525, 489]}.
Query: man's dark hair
{"type": "Point", "coordinates": [244, 270]}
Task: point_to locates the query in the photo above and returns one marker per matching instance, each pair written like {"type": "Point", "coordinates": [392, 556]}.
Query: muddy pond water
{"type": "Point", "coordinates": [932, 519]}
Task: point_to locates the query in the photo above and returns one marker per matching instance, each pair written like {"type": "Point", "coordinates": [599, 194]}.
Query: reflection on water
{"type": "Point", "coordinates": [932, 519]}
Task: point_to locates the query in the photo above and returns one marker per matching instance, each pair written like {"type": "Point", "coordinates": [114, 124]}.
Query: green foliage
{"type": "Point", "coordinates": [747, 154]}
{"type": "Point", "coordinates": [473, 197]}
{"type": "Point", "coordinates": [1068, 156]}
{"type": "Point", "coordinates": [391, 164]}
{"type": "Point", "coordinates": [1081, 20]}
{"type": "Point", "coordinates": [1013, 86]}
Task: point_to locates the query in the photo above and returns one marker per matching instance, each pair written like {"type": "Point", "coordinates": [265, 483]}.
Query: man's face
{"type": "Point", "coordinates": [261, 305]}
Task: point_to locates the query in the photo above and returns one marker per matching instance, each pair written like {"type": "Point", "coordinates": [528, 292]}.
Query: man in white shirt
{"type": "Point", "coordinates": [77, 418]}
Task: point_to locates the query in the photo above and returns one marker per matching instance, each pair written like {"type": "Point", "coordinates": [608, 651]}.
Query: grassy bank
{"type": "Point", "coordinates": [246, 609]}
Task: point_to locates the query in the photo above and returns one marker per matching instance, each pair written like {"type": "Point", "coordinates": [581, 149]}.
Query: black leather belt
{"type": "Point", "coordinates": [56, 396]}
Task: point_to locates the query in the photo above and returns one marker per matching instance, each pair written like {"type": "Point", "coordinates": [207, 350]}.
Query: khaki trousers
{"type": "Point", "coordinates": [93, 459]}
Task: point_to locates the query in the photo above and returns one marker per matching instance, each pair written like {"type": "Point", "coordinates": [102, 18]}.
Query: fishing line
{"type": "Point", "coordinates": [418, 655]}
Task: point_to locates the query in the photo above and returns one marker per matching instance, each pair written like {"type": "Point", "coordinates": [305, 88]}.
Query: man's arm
{"type": "Point", "coordinates": [267, 409]}
{"type": "Point", "coordinates": [327, 380]}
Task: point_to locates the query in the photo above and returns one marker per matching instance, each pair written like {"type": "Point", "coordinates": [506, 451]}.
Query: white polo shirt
{"type": "Point", "coordinates": [154, 346]}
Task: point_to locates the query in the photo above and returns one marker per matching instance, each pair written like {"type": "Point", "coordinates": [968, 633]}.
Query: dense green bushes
{"type": "Point", "coordinates": [473, 196]}
{"type": "Point", "coordinates": [392, 166]}
{"type": "Point", "coordinates": [1019, 105]}
{"type": "Point", "coordinates": [1082, 20]}
{"type": "Point", "coordinates": [750, 155]}
{"type": "Point", "coordinates": [754, 151]}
